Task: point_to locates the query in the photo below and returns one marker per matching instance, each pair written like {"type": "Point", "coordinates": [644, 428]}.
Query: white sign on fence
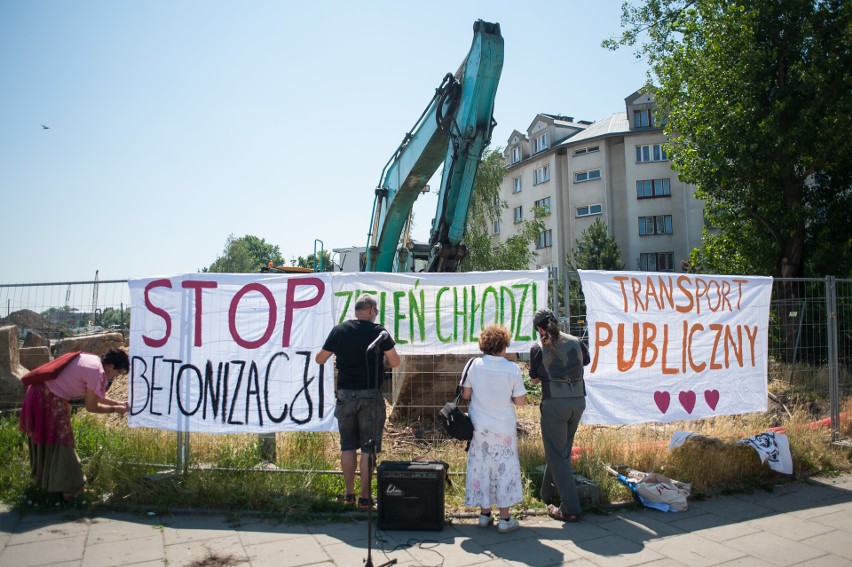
{"type": "Point", "coordinates": [233, 353]}
{"type": "Point", "coordinates": [669, 347]}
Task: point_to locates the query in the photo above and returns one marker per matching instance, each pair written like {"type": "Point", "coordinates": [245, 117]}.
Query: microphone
{"type": "Point", "coordinates": [382, 336]}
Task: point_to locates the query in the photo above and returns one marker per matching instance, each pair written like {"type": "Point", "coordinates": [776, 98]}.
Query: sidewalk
{"type": "Point", "coordinates": [796, 524]}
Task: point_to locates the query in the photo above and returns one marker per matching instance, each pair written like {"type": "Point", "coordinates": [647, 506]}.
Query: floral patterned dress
{"type": "Point", "coordinates": [493, 471]}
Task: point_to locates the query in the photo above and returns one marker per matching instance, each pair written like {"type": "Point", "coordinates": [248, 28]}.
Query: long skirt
{"type": "Point", "coordinates": [493, 470]}
{"type": "Point", "coordinates": [46, 419]}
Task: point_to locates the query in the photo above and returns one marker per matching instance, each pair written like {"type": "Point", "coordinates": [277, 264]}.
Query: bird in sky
{"type": "Point", "coordinates": [43, 127]}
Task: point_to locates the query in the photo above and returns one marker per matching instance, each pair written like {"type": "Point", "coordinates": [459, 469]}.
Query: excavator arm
{"type": "Point", "coordinates": [454, 129]}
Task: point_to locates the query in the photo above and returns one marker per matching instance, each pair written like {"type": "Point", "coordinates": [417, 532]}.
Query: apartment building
{"type": "Point", "coordinates": [615, 169]}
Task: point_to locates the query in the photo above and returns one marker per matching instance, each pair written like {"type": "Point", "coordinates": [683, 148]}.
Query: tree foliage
{"type": "Point", "coordinates": [484, 251]}
{"type": "Point", "coordinates": [245, 255]}
{"type": "Point", "coordinates": [756, 96]}
{"type": "Point", "coordinates": [596, 250]}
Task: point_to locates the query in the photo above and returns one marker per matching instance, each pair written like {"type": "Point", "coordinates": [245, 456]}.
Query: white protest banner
{"type": "Point", "coordinates": [234, 353]}
{"type": "Point", "coordinates": [669, 347]}
{"type": "Point", "coordinates": [432, 313]}
{"type": "Point", "coordinates": [230, 353]}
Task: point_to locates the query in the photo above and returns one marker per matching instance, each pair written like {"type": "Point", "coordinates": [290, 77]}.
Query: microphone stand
{"type": "Point", "coordinates": [368, 562]}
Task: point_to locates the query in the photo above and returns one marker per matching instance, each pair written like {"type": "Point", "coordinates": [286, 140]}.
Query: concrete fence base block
{"type": "Point", "coordinates": [11, 388]}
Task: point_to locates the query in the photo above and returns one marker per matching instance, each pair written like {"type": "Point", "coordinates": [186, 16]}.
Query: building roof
{"type": "Point", "coordinates": [613, 124]}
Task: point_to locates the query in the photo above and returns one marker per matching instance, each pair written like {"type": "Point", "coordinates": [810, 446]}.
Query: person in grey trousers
{"type": "Point", "coordinates": [558, 365]}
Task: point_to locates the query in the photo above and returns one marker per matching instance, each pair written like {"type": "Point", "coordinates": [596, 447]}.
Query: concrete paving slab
{"type": "Point", "coordinates": [714, 527]}
{"type": "Point", "coordinates": [263, 531]}
{"type": "Point", "coordinates": [775, 549]}
{"type": "Point", "coordinates": [292, 552]}
{"type": "Point", "coordinates": [791, 527]}
{"type": "Point", "coordinates": [184, 529]}
{"type": "Point", "coordinates": [448, 547]}
{"type": "Point", "coordinates": [117, 552]}
{"type": "Point", "coordinates": [747, 562]}
{"type": "Point", "coordinates": [36, 553]}
{"type": "Point", "coordinates": [224, 550]}
{"type": "Point", "coordinates": [353, 532]}
{"type": "Point", "coordinates": [576, 532]}
{"type": "Point", "coordinates": [47, 529]}
{"type": "Point", "coordinates": [837, 543]}
{"type": "Point", "coordinates": [840, 520]}
{"type": "Point", "coordinates": [615, 550]}
{"type": "Point", "coordinates": [827, 561]}
{"type": "Point", "coordinates": [8, 520]}
{"type": "Point", "coordinates": [107, 530]}
{"type": "Point", "coordinates": [533, 552]}
{"type": "Point", "coordinates": [344, 554]}
{"type": "Point", "coordinates": [732, 509]}
{"type": "Point", "coordinates": [694, 550]}
{"type": "Point", "coordinates": [642, 528]}
{"type": "Point", "coordinates": [807, 497]}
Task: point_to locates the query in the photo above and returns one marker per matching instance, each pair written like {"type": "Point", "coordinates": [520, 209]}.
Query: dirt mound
{"type": "Point", "coordinates": [27, 319]}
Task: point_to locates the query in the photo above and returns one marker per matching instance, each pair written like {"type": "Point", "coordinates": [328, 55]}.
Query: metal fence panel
{"type": "Point", "coordinates": [810, 336]}
{"type": "Point", "coordinates": [62, 309]}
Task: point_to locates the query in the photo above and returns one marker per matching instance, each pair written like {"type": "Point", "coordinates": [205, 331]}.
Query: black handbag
{"type": "Point", "coordinates": [456, 423]}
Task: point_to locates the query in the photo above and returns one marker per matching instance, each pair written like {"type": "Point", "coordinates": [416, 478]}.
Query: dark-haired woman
{"type": "Point", "coordinates": [558, 364]}
{"type": "Point", "coordinates": [494, 387]}
{"type": "Point", "coordinates": [46, 418]}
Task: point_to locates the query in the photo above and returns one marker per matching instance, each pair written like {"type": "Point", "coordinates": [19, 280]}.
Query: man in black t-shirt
{"type": "Point", "coordinates": [360, 409]}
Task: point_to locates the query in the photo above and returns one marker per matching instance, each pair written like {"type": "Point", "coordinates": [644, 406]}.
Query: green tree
{"type": "Point", "coordinates": [112, 316]}
{"type": "Point", "coordinates": [756, 96]}
{"type": "Point", "coordinates": [245, 255]}
{"type": "Point", "coordinates": [484, 252]}
{"type": "Point", "coordinates": [323, 257]}
{"type": "Point", "coordinates": [596, 250]}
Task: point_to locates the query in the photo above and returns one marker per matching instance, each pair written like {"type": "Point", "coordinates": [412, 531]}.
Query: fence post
{"type": "Point", "coordinates": [566, 296]}
{"type": "Point", "coordinates": [833, 374]}
{"type": "Point", "coordinates": [182, 459]}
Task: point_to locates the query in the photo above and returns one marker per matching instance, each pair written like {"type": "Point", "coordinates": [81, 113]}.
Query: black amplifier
{"type": "Point", "coordinates": [411, 495]}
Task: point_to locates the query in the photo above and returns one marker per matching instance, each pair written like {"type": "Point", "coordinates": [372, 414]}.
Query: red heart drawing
{"type": "Point", "coordinates": [662, 400]}
{"type": "Point", "coordinates": [712, 398]}
{"type": "Point", "coordinates": [687, 400]}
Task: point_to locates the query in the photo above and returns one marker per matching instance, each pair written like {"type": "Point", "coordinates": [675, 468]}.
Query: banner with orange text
{"type": "Point", "coordinates": [671, 347]}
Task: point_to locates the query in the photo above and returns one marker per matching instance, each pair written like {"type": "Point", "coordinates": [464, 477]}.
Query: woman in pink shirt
{"type": "Point", "coordinates": [46, 418]}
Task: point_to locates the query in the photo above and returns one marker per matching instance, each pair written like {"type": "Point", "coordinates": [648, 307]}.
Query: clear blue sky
{"type": "Point", "coordinates": [176, 123]}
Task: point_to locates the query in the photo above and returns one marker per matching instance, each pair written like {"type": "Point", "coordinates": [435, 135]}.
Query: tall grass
{"type": "Point", "coordinates": [125, 467]}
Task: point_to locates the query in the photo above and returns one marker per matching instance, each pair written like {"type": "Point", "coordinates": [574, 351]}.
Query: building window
{"type": "Point", "coordinates": [587, 150]}
{"type": "Point", "coordinates": [651, 188]}
{"type": "Point", "coordinates": [544, 205]}
{"type": "Point", "coordinates": [657, 262]}
{"type": "Point", "coordinates": [542, 174]}
{"type": "Point", "coordinates": [516, 185]}
{"type": "Point", "coordinates": [540, 143]}
{"type": "Point", "coordinates": [653, 152]}
{"type": "Point", "coordinates": [660, 224]}
{"type": "Point", "coordinates": [642, 118]}
{"type": "Point", "coordinates": [495, 226]}
{"type": "Point", "coordinates": [589, 210]}
{"type": "Point", "coordinates": [519, 214]}
{"type": "Point", "coordinates": [590, 175]}
{"type": "Point", "coordinates": [545, 239]}
{"type": "Point", "coordinates": [516, 154]}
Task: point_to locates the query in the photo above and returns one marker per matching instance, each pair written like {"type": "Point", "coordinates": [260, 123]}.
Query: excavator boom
{"type": "Point", "coordinates": [454, 129]}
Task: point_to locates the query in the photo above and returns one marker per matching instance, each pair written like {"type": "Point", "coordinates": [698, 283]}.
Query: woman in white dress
{"type": "Point", "coordinates": [494, 386]}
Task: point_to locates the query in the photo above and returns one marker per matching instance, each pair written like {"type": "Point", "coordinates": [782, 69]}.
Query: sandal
{"type": "Point", "coordinates": [557, 514]}
{"type": "Point", "coordinates": [365, 503]}
{"type": "Point", "coordinates": [347, 499]}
